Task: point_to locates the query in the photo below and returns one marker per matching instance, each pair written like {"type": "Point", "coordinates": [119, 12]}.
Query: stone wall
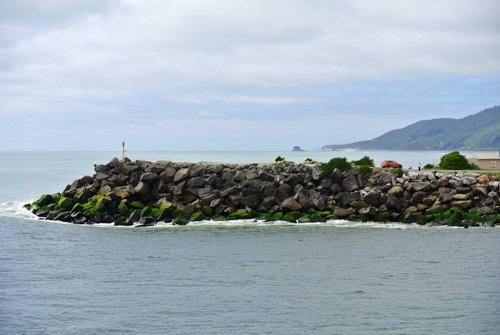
{"type": "Point", "coordinates": [143, 193]}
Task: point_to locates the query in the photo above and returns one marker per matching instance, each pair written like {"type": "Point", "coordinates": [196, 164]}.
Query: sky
{"type": "Point", "coordinates": [221, 75]}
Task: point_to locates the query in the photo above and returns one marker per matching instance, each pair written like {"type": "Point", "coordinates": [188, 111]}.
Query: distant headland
{"type": "Point", "coordinates": [480, 131]}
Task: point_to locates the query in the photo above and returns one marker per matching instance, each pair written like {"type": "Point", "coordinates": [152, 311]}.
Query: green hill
{"type": "Point", "coordinates": [480, 131]}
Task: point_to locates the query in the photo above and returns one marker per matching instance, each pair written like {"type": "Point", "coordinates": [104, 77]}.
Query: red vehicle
{"type": "Point", "coordinates": [392, 164]}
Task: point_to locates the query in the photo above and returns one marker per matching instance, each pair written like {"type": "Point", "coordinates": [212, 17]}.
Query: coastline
{"type": "Point", "coordinates": [143, 193]}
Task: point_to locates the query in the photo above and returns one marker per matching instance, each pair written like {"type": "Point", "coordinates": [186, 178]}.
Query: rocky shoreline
{"type": "Point", "coordinates": [144, 193]}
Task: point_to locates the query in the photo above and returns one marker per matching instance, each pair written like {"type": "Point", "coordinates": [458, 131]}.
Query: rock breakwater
{"type": "Point", "coordinates": [144, 193]}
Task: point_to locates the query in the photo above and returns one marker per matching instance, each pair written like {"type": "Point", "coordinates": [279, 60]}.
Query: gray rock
{"type": "Point", "coordinates": [290, 204]}
{"type": "Point", "coordinates": [370, 211]}
{"type": "Point", "coordinates": [114, 162]}
{"type": "Point", "coordinates": [143, 164]}
{"type": "Point", "coordinates": [196, 170]}
{"type": "Point", "coordinates": [335, 189]}
{"type": "Point", "coordinates": [479, 190]}
{"type": "Point", "coordinates": [251, 175]}
{"type": "Point", "coordinates": [266, 176]}
{"type": "Point", "coordinates": [148, 176]}
{"type": "Point", "coordinates": [181, 175]}
{"type": "Point", "coordinates": [269, 190]}
{"type": "Point", "coordinates": [429, 200]}
{"type": "Point", "coordinates": [235, 199]}
{"type": "Point", "coordinates": [392, 202]}
{"type": "Point", "coordinates": [240, 175]}
{"type": "Point", "coordinates": [336, 176]}
{"type": "Point", "coordinates": [423, 186]}
{"type": "Point", "coordinates": [196, 182]}
{"type": "Point", "coordinates": [385, 178]}
{"type": "Point", "coordinates": [179, 188]}
{"type": "Point", "coordinates": [269, 202]}
{"type": "Point", "coordinates": [227, 176]}
{"type": "Point", "coordinates": [350, 183]}
{"type": "Point", "coordinates": [142, 188]}
{"type": "Point", "coordinates": [418, 197]}
{"type": "Point", "coordinates": [319, 202]}
{"type": "Point", "coordinates": [396, 189]}
{"type": "Point", "coordinates": [485, 210]}
{"type": "Point", "coordinates": [373, 198]}
{"type": "Point", "coordinates": [101, 176]}
{"type": "Point", "coordinates": [349, 198]}
{"type": "Point", "coordinates": [285, 189]}
{"type": "Point", "coordinates": [326, 183]}
{"type": "Point", "coordinates": [316, 175]}
{"type": "Point", "coordinates": [212, 179]}
{"type": "Point", "coordinates": [464, 204]}
{"type": "Point", "coordinates": [293, 180]}
{"type": "Point", "coordinates": [251, 201]}
{"type": "Point", "coordinates": [167, 175]}
{"type": "Point", "coordinates": [342, 213]}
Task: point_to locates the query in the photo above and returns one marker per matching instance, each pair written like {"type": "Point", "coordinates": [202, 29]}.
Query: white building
{"type": "Point", "coordinates": [486, 160]}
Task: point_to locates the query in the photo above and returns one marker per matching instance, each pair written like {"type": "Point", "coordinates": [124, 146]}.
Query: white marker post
{"type": "Point", "coordinates": [123, 152]}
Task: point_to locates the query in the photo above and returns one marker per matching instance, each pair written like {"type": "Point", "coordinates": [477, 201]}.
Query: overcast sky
{"type": "Point", "coordinates": [238, 75]}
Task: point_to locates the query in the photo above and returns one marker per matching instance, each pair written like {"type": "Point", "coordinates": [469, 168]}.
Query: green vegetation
{"type": "Point", "coordinates": [309, 160]}
{"type": "Point", "coordinates": [363, 170]}
{"type": "Point", "coordinates": [475, 132]}
{"type": "Point", "coordinates": [340, 163]}
{"type": "Point", "coordinates": [429, 166]}
{"type": "Point", "coordinates": [279, 159]}
{"type": "Point", "coordinates": [399, 172]}
{"type": "Point", "coordinates": [454, 161]}
{"type": "Point", "coordinates": [364, 161]}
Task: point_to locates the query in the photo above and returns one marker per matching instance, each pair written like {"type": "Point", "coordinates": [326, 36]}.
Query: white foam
{"type": "Point", "coordinates": [16, 209]}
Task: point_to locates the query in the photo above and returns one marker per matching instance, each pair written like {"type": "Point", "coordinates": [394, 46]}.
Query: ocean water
{"type": "Point", "coordinates": [239, 277]}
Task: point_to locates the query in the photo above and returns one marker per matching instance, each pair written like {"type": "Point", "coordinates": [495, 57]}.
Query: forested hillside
{"type": "Point", "coordinates": [480, 131]}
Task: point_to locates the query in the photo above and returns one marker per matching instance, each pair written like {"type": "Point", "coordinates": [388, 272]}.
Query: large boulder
{"type": "Point", "coordinates": [418, 197]}
{"type": "Point", "coordinates": [421, 186]}
{"type": "Point", "coordinates": [373, 198]}
{"type": "Point", "coordinates": [269, 190]}
{"type": "Point", "coordinates": [196, 170]}
{"type": "Point", "coordinates": [148, 176]}
{"type": "Point", "coordinates": [115, 162]}
{"type": "Point", "coordinates": [342, 213]}
{"type": "Point", "coordinates": [385, 178]}
{"type": "Point", "coordinates": [181, 175]}
{"type": "Point", "coordinates": [167, 175]}
{"type": "Point", "coordinates": [142, 188]}
{"type": "Point", "coordinates": [251, 201]}
{"type": "Point", "coordinates": [291, 205]}
{"type": "Point", "coordinates": [269, 202]}
{"type": "Point", "coordinates": [293, 180]}
{"type": "Point", "coordinates": [336, 176]}
{"type": "Point", "coordinates": [128, 168]}
{"type": "Point", "coordinates": [392, 202]}
{"type": "Point", "coordinates": [349, 183]}
{"type": "Point", "coordinates": [349, 198]}
{"type": "Point", "coordinates": [319, 202]}
{"type": "Point", "coordinates": [266, 176]}
{"type": "Point", "coordinates": [196, 182]}
{"type": "Point", "coordinates": [285, 189]}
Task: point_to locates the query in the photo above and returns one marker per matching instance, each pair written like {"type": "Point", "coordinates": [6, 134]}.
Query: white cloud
{"type": "Point", "coordinates": [238, 59]}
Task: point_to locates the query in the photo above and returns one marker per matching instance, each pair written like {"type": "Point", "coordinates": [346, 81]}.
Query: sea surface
{"type": "Point", "coordinates": [238, 277]}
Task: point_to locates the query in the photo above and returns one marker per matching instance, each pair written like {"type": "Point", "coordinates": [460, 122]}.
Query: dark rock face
{"type": "Point", "coordinates": [350, 183]}
{"type": "Point", "coordinates": [144, 193]}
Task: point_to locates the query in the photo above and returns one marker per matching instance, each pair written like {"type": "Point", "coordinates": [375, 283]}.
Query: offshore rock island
{"type": "Point", "coordinates": [143, 193]}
